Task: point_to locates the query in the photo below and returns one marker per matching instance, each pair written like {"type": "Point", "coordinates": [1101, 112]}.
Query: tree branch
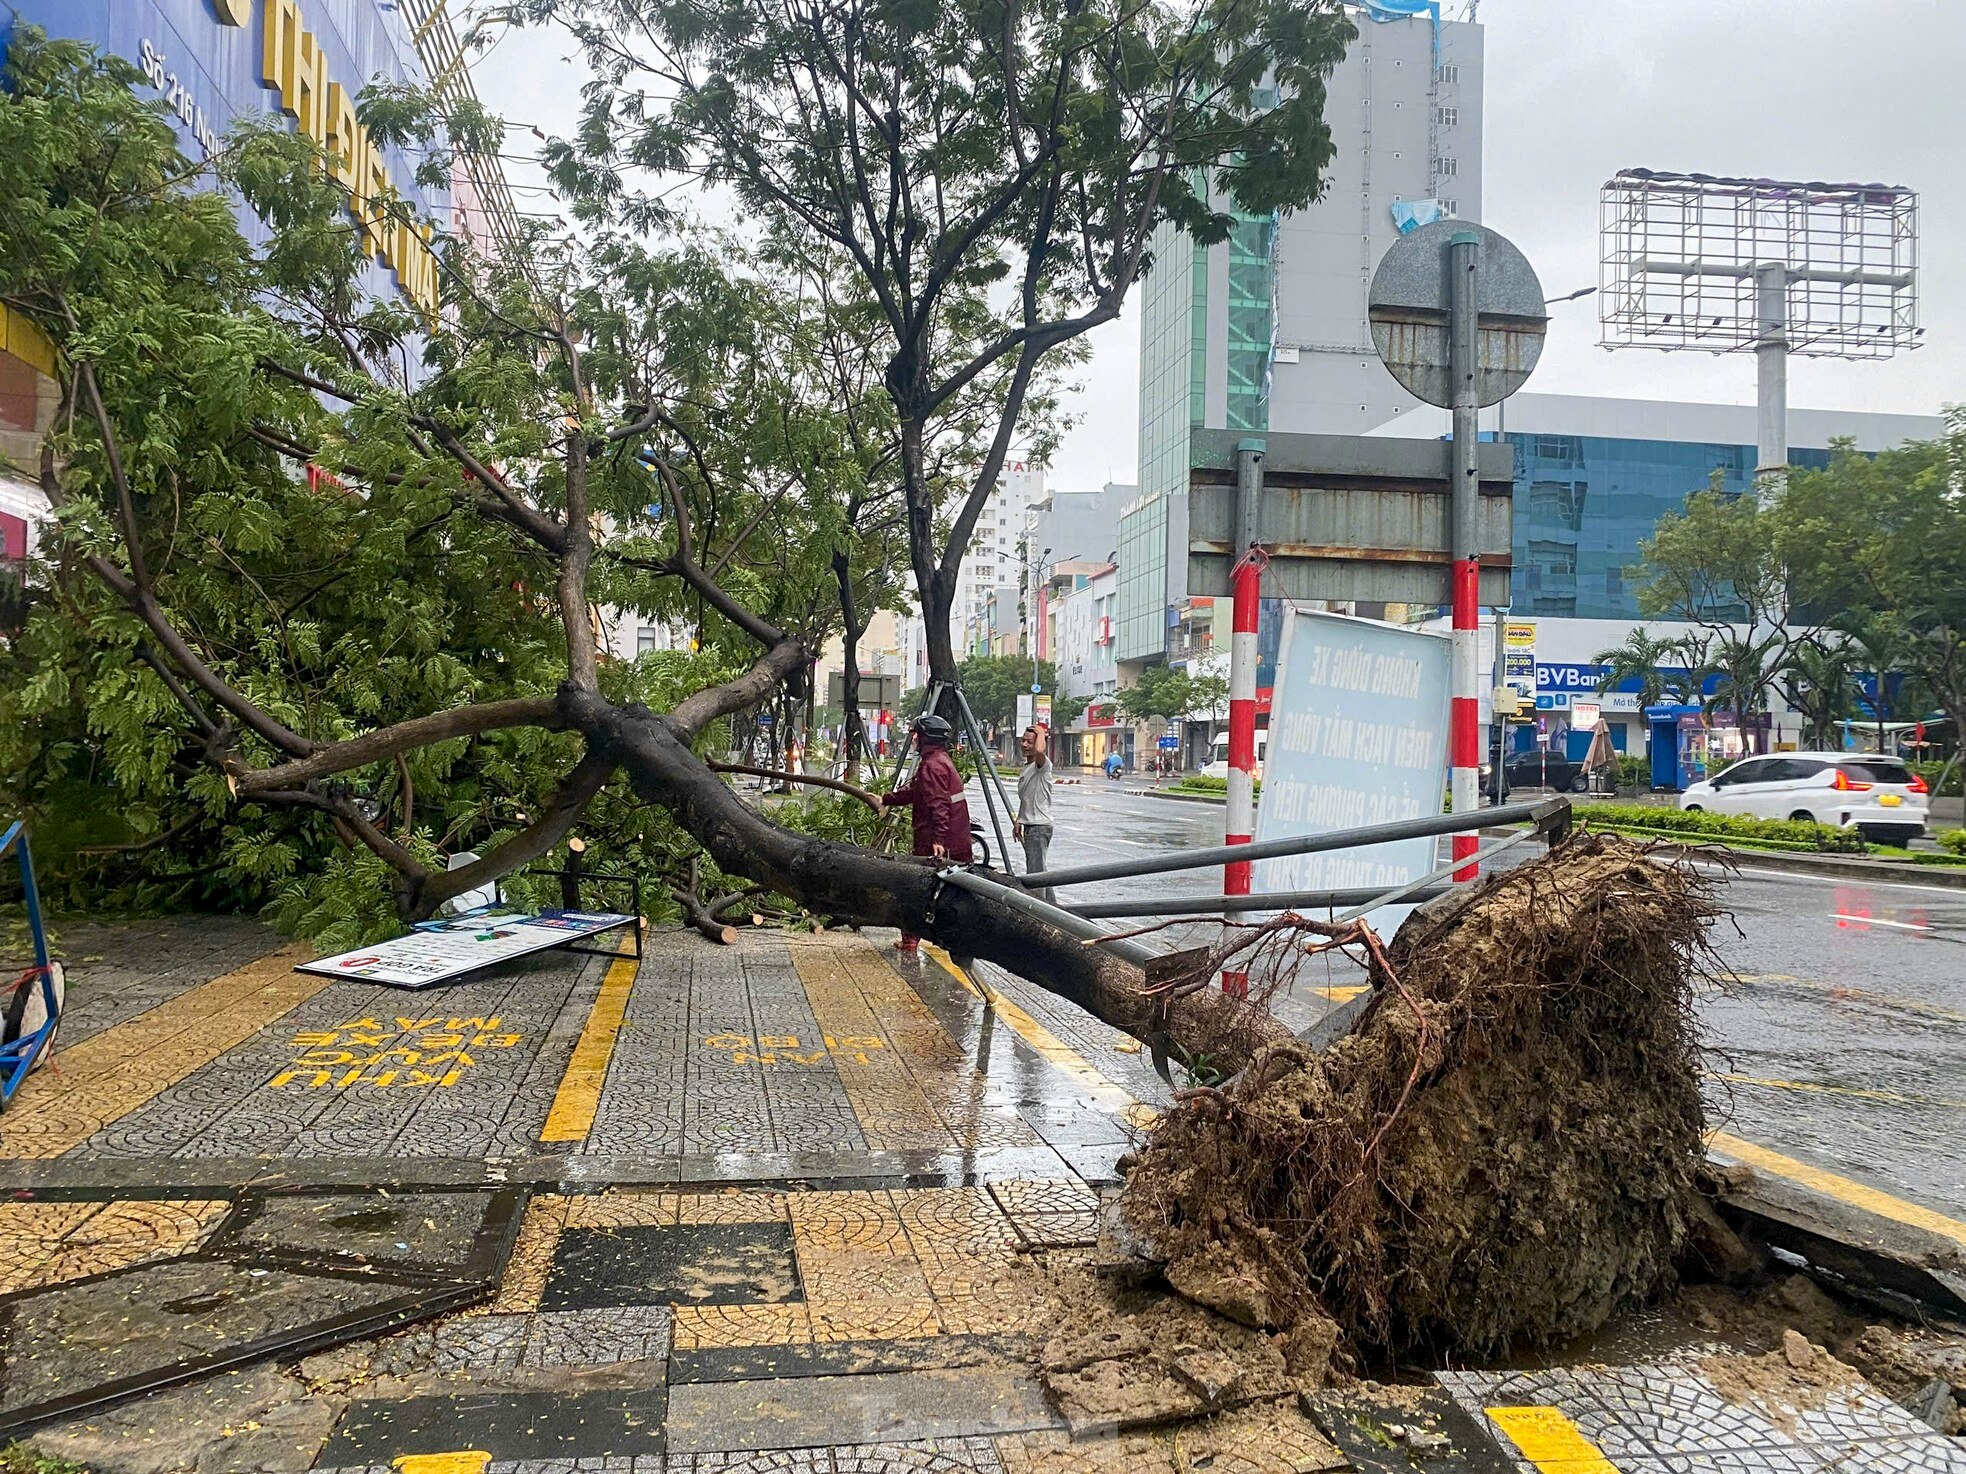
{"type": "Point", "coordinates": [406, 736]}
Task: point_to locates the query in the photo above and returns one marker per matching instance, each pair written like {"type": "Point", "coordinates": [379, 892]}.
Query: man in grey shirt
{"type": "Point", "coordinates": [1033, 822]}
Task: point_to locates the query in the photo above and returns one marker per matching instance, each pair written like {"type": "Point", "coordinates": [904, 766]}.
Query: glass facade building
{"type": "Point", "coordinates": [1583, 503]}
{"type": "Point", "coordinates": [1173, 376]}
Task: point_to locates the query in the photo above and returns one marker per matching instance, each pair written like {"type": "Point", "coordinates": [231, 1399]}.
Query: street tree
{"type": "Point", "coordinates": [1721, 565]}
{"type": "Point", "coordinates": [1643, 658]}
{"type": "Point", "coordinates": [321, 602]}
{"type": "Point", "coordinates": [1820, 681]}
{"type": "Point", "coordinates": [1879, 541]}
{"type": "Point", "coordinates": [992, 683]}
{"type": "Point", "coordinates": [1170, 694]}
{"type": "Point", "coordinates": [992, 171]}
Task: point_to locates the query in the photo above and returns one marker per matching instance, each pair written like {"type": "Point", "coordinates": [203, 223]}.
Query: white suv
{"type": "Point", "coordinates": [1879, 796]}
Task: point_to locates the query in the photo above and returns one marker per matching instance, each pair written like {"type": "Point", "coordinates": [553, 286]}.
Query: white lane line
{"type": "Point", "coordinates": [1880, 921]}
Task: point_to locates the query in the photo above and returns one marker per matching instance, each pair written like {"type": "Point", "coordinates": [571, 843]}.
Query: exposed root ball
{"type": "Point", "coordinates": [1500, 1150]}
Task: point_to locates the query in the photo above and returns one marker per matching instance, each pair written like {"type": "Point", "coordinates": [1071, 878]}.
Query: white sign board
{"type": "Point", "coordinates": [441, 950]}
{"type": "Point", "coordinates": [1358, 736]}
{"type": "Point", "coordinates": [1025, 711]}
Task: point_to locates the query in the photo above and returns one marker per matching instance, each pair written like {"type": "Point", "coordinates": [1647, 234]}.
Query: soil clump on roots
{"type": "Point", "coordinates": [1501, 1152]}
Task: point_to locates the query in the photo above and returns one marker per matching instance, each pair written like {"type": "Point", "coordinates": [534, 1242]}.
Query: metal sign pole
{"type": "Point", "coordinates": [1464, 721]}
{"type": "Point", "coordinates": [1239, 814]}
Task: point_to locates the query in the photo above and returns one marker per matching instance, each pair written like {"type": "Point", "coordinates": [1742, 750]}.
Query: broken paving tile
{"type": "Point", "coordinates": [507, 1425]}
{"type": "Point", "coordinates": [687, 1264]}
{"type": "Point", "coordinates": [1406, 1429]}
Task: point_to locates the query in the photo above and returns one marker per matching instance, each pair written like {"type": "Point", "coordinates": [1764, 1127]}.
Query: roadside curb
{"type": "Point", "coordinates": [1875, 1245]}
{"type": "Point", "coordinates": [1832, 867]}
{"type": "Point", "coordinates": [1180, 798]}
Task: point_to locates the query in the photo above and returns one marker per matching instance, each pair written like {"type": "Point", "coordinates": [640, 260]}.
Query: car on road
{"type": "Point", "coordinates": [1879, 797]}
{"type": "Point", "coordinates": [1217, 765]}
{"type": "Point", "coordinates": [1535, 769]}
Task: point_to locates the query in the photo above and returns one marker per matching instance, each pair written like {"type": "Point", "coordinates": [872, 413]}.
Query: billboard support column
{"type": "Point", "coordinates": [1464, 718]}
{"type": "Point", "coordinates": [1239, 814]}
{"type": "Point", "coordinates": [1771, 351]}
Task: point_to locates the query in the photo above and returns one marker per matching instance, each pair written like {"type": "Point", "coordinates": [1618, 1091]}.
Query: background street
{"type": "Point", "coordinates": [1838, 1039]}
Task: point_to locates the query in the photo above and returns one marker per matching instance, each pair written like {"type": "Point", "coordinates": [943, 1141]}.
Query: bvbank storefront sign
{"type": "Point", "coordinates": [214, 61]}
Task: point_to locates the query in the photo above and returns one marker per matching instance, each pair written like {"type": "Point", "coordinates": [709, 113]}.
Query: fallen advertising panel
{"type": "Point", "coordinates": [439, 951]}
{"type": "Point", "coordinates": [1358, 735]}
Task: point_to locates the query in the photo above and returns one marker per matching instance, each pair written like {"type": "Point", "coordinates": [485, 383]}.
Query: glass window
{"type": "Point", "coordinates": [1754, 770]}
{"type": "Point", "coordinates": [1875, 769]}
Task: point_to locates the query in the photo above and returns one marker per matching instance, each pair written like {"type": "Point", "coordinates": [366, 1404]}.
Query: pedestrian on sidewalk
{"type": "Point", "coordinates": [1033, 821]}
{"type": "Point", "coordinates": [939, 812]}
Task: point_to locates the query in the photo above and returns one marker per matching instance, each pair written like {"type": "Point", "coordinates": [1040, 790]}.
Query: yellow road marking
{"type": "Point", "coordinates": [1551, 1441]}
{"type": "Point", "coordinates": [1841, 1188]}
{"type": "Point", "coordinates": [464, 1461]}
{"type": "Point", "coordinates": [578, 1099]}
{"type": "Point", "coordinates": [1046, 1043]}
{"type": "Point", "coordinates": [1815, 1089]}
{"type": "Point", "coordinates": [1839, 992]}
{"type": "Point", "coordinates": [108, 1075]}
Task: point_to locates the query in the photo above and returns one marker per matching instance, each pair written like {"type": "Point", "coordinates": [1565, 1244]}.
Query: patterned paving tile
{"type": "Point", "coordinates": [50, 1243]}
{"type": "Point", "coordinates": [700, 1327]}
{"type": "Point", "coordinates": [578, 1338]}
{"type": "Point", "coordinates": [773, 1461]}
{"type": "Point", "coordinates": [355, 1070]}
{"type": "Point", "coordinates": [622, 1209]}
{"type": "Point", "coordinates": [119, 969]}
{"type": "Point", "coordinates": [532, 1257]}
{"type": "Point", "coordinates": [937, 1456]}
{"type": "Point", "coordinates": [732, 1207]}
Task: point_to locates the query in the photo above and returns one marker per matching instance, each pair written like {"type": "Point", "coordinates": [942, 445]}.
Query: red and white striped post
{"type": "Point", "coordinates": [1239, 814]}
{"type": "Point", "coordinates": [1464, 718]}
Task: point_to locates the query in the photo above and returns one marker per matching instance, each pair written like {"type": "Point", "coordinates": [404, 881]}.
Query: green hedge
{"type": "Point", "coordinates": [1930, 772]}
{"type": "Point", "coordinates": [1196, 783]}
{"type": "Point", "coordinates": [1774, 833]}
{"type": "Point", "coordinates": [1954, 840]}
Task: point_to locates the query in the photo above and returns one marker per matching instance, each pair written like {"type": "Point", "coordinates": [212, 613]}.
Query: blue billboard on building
{"type": "Point", "coordinates": [211, 62]}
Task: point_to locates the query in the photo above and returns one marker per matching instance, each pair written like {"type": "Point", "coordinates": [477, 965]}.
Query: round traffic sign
{"type": "Point", "coordinates": [1409, 307]}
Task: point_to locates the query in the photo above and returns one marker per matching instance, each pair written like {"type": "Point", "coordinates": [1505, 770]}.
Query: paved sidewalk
{"type": "Point", "coordinates": [790, 1205]}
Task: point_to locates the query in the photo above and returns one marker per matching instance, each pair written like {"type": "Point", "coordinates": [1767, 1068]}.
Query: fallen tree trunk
{"type": "Point", "coordinates": [868, 889]}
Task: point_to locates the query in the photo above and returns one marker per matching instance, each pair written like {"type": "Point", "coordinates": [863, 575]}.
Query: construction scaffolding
{"type": "Point", "coordinates": [1683, 258]}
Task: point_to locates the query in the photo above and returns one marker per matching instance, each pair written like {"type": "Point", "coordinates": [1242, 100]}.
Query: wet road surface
{"type": "Point", "coordinates": [1840, 1038]}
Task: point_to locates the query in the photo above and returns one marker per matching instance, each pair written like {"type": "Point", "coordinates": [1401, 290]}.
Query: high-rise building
{"type": "Point", "coordinates": [994, 555]}
{"type": "Point", "coordinates": [1267, 330]}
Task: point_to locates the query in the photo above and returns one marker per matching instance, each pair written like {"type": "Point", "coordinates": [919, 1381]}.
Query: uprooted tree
{"type": "Point", "coordinates": [321, 609]}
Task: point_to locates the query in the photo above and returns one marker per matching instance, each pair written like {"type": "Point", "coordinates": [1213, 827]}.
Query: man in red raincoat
{"type": "Point", "coordinates": [936, 804]}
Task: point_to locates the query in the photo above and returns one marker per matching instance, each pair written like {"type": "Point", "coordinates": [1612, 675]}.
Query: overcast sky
{"type": "Point", "coordinates": [1807, 89]}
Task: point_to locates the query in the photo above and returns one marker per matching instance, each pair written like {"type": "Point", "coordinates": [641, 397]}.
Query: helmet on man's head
{"type": "Point", "coordinates": [933, 731]}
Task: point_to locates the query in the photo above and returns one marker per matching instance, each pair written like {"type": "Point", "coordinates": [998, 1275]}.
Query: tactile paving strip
{"type": "Point", "coordinates": [915, 1087]}
{"type": "Point", "coordinates": [357, 1070]}
{"type": "Point", "coordinates": [113, 1075]}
